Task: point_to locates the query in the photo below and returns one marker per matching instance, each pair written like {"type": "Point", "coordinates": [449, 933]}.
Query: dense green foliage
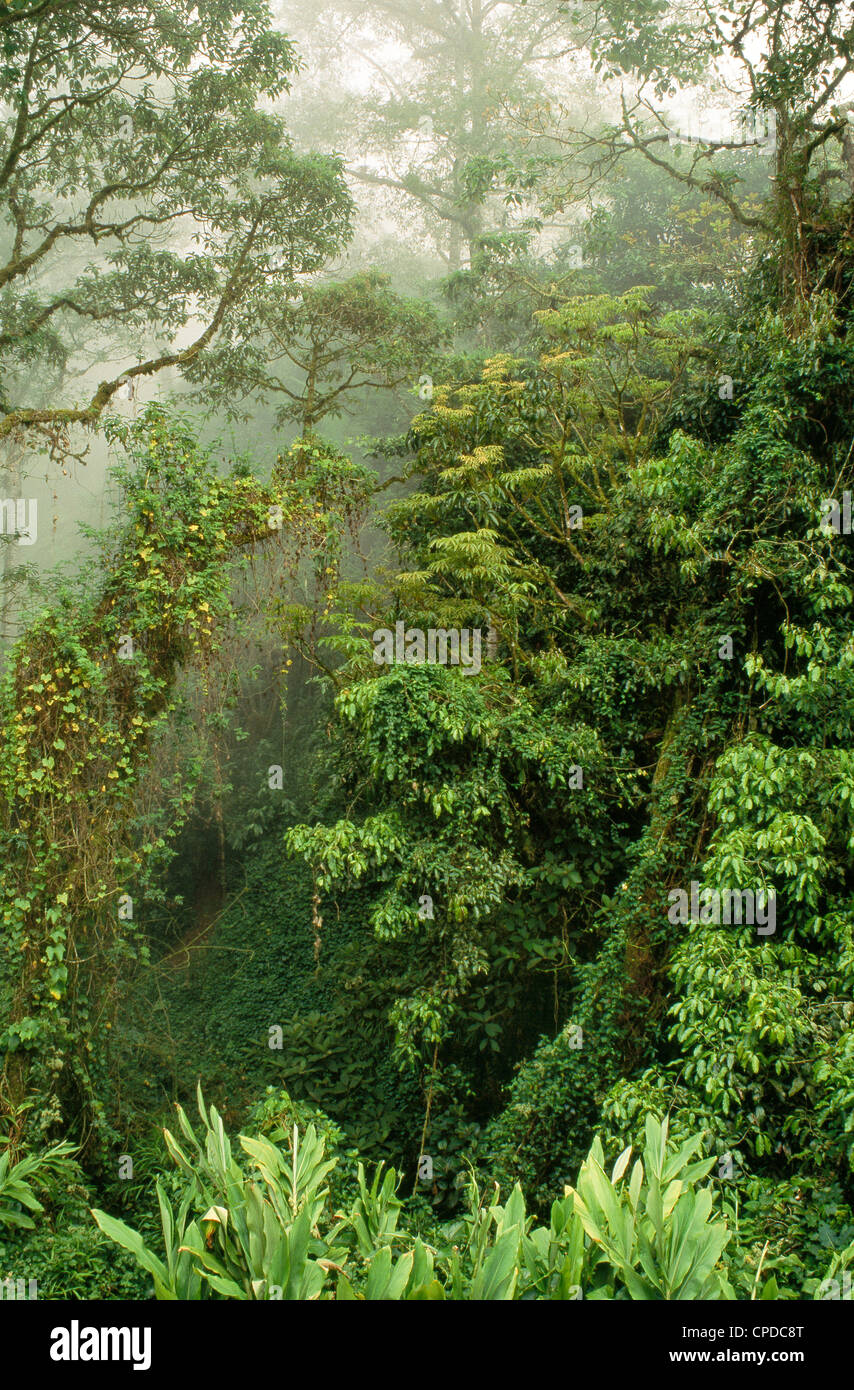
{"type": "Point", "coordinates": [270, 1233]}
{"type": "Point", "coordinates": [523, 976]}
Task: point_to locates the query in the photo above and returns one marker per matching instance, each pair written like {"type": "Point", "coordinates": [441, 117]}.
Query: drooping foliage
{"type": "Point", "coordinates": [84, 696]}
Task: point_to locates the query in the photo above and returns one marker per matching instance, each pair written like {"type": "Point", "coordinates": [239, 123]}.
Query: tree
{"type": "Point", "coordinates": [786, 69]}
{"type": "Point", "coordinates": [339, 337]}
{"type": "Point", "coordinates": [447, 76]}
{"type": "Point", "coordinates": [144, 196]}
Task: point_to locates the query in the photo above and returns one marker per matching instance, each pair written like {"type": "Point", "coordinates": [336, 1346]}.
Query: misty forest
{"type": "Point", "coordinates": [426, 650]}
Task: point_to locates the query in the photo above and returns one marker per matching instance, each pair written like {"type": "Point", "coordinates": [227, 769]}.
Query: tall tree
{"type": "Point", "coordinates": [144, 195]}
{"type": "Point", "coordinates": [786, 70]}
{"type": "Point", "coordinates": [445, 77]}
{"type": "Point", "coordinates": [313, 353]}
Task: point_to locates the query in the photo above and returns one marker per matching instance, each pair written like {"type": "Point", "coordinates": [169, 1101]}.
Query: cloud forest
{"type": "Point", "coordinates": [426, 659]}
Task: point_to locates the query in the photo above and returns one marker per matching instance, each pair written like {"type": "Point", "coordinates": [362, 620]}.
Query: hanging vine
{"type": "Point", "coordinates": [84, 697]}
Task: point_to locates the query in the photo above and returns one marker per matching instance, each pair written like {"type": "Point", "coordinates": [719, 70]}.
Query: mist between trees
{"type": "Point", "coordinates": [426, 657]}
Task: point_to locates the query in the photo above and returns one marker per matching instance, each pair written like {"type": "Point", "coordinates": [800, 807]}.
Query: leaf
{"type": "Point", "coordinates": [497, 1278]}
{"type": "Point", "coordinates": [132, 1241]}
{"type": "Point", "coordinates": [432, 1291]}
{"type": "Point", "coordinates": [225, 1286]}
{"type": "Point", "coordinates": [620, 1166]}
